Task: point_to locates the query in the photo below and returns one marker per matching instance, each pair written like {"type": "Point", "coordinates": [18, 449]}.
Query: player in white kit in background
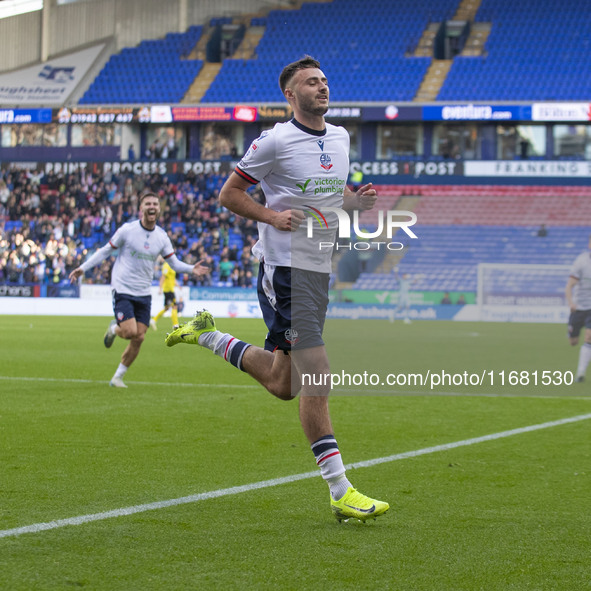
{"type": "Point", "coordinates": [578, 297]}
{"type": "Point", "coordinates": [136, 245]}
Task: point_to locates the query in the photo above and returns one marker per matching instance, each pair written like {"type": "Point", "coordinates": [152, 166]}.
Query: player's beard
{"type": "Point", "coordinates": [310, 106]}
{"type": "Point", "coordinates": [150, 217]}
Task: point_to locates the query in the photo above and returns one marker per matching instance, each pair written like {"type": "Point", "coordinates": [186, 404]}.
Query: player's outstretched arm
{"type": "Point", "coordinates": [98, 257]}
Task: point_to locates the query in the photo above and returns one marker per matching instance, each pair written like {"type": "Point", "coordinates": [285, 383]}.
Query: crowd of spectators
{"type": "Point", "coordinates": [50, 223]}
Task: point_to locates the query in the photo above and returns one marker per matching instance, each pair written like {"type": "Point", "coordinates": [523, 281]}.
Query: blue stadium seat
{"type": "Point", "coordinates": [447, 257]}
{"type": "Point", "coordinates": [536, 50]}
{"type": "Point", "coordinates": [151, 72]}
{"type": "Point", "coordinates": [358, 68]}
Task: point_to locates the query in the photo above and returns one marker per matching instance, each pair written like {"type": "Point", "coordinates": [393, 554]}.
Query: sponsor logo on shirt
{"type": "Point", "coordinates": [323, 185]}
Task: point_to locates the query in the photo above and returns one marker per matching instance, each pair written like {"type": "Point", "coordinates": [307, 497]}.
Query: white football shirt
{"type": "Point", "coordinates": [299, 168]}
{"type": "Point", "coordinates": [138, 248]}
{"type": "Point", "coordinates": [581, 270]}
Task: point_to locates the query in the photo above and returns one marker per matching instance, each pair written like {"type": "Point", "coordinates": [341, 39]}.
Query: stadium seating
{"type": "Point", "coordinates": [505, 210]}
{"type": "Point", "coordinates": [459, 227]}
{"type": "Point", "coordinates": [537, 50]}
{"type": "Point", "coordinates": [445, 258]}
{"type": "Point", "coordinates": [361, 47]}
{"type": "Point", "coordinates": [152, 72]}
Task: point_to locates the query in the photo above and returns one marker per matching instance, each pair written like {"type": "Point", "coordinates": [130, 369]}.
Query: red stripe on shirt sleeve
{"type": "Point", "coordinates": [168, 255]}
{"type": "Point", "coordinates": [245, 176]}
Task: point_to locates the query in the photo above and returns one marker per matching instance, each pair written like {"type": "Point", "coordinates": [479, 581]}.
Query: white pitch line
{"type": "Point", "coordinates": [234, 490]}
{"type": "Point", "coordinates": [104, 382]}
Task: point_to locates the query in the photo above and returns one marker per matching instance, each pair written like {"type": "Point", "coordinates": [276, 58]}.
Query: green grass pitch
{"type": "Point", "coordinates": [505, 514]}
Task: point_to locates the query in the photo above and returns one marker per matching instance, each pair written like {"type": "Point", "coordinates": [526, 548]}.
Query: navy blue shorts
{"type": "Point", "coordinates": [577, 320]}
{"type": "Point", "coordinates": [294, 304]}
{"type": "Point", "coordinates": [126, 306]}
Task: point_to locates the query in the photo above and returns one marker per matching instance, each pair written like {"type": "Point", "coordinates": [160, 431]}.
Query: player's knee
{"type": "Point", "coordinates": [132, 334]}
{"type": "Point", "coordinates": [127, 333]}
{"type": "Point", "coordinates": [281, 391]}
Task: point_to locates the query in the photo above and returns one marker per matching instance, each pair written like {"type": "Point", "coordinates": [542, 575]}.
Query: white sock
{"type": "Point", "coordinates": [120, 371]}
{"type": "Point", "coordinates": [584, 359]}
{"type": "Point", "coordinates": [329, 460]}
{"type": "Point", "coordinates": [338, 486]}
{"type": "Point", "coordinates": [209, 339]}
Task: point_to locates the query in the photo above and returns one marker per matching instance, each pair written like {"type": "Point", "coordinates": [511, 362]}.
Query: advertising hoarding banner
{"type": "Point", "coordinates": [95, 115]}
{"type": "Point", "coordinates": [20, 291]}
{"type": "Point", "coordinates": [408, 168]}
{"type": "Point", "coordinates": [561, 112]}
{"type": "Point", "coordinates": [128, 167]}
{"type": "Point", "coordinates": [383, 312]}
{"type": "Point", "coordinates": [16, 116]}
{"type": "Point", "coordinates": [48, 84]}
{"type": "Point", "coordinates": [223, 293]}
{"type": "Point", "coordinates": [527, 168]}
{"type": "Point", "coordinates": [472, 112]}
{"type": "Point", "coordinates": [392, 113]}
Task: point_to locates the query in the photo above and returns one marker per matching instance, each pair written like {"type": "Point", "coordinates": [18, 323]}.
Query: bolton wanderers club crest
{"type": "Point", "coordinates": [291, 336]}
{"type": "Point", "coordinates": [325, 161]}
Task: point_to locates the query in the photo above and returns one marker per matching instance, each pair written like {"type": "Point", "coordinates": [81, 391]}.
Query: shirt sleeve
{"type": "Point", "coordinates": [98, 257]}
{"type": "Point", "coordinates": [178, 265]}
{"type": "Point", "coordinates": [170, 257]}
{"type": "Point", "coordinates": [119, 237]}
{"type": "Point", "coordinates": [258, 161]}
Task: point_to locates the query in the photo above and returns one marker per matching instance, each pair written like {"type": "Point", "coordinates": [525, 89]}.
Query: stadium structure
{"type": "Point", "coordinates": [457, 399]}
{"type": "Point", "coordinates": [474, 115]}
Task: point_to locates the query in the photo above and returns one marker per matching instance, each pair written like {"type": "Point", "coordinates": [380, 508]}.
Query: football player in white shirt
{"type": "Point", "coordinates": [136, 245]}
{"type": "Point", "coordinates": [299, 163]}
{"type": "Point", "coordinates": [578, 297]}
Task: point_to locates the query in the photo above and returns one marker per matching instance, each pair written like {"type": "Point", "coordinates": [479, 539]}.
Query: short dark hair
{"type": "Point", "coordinates": [148, 194]}
{"type": "Point", "coordinates": [302, 64]}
